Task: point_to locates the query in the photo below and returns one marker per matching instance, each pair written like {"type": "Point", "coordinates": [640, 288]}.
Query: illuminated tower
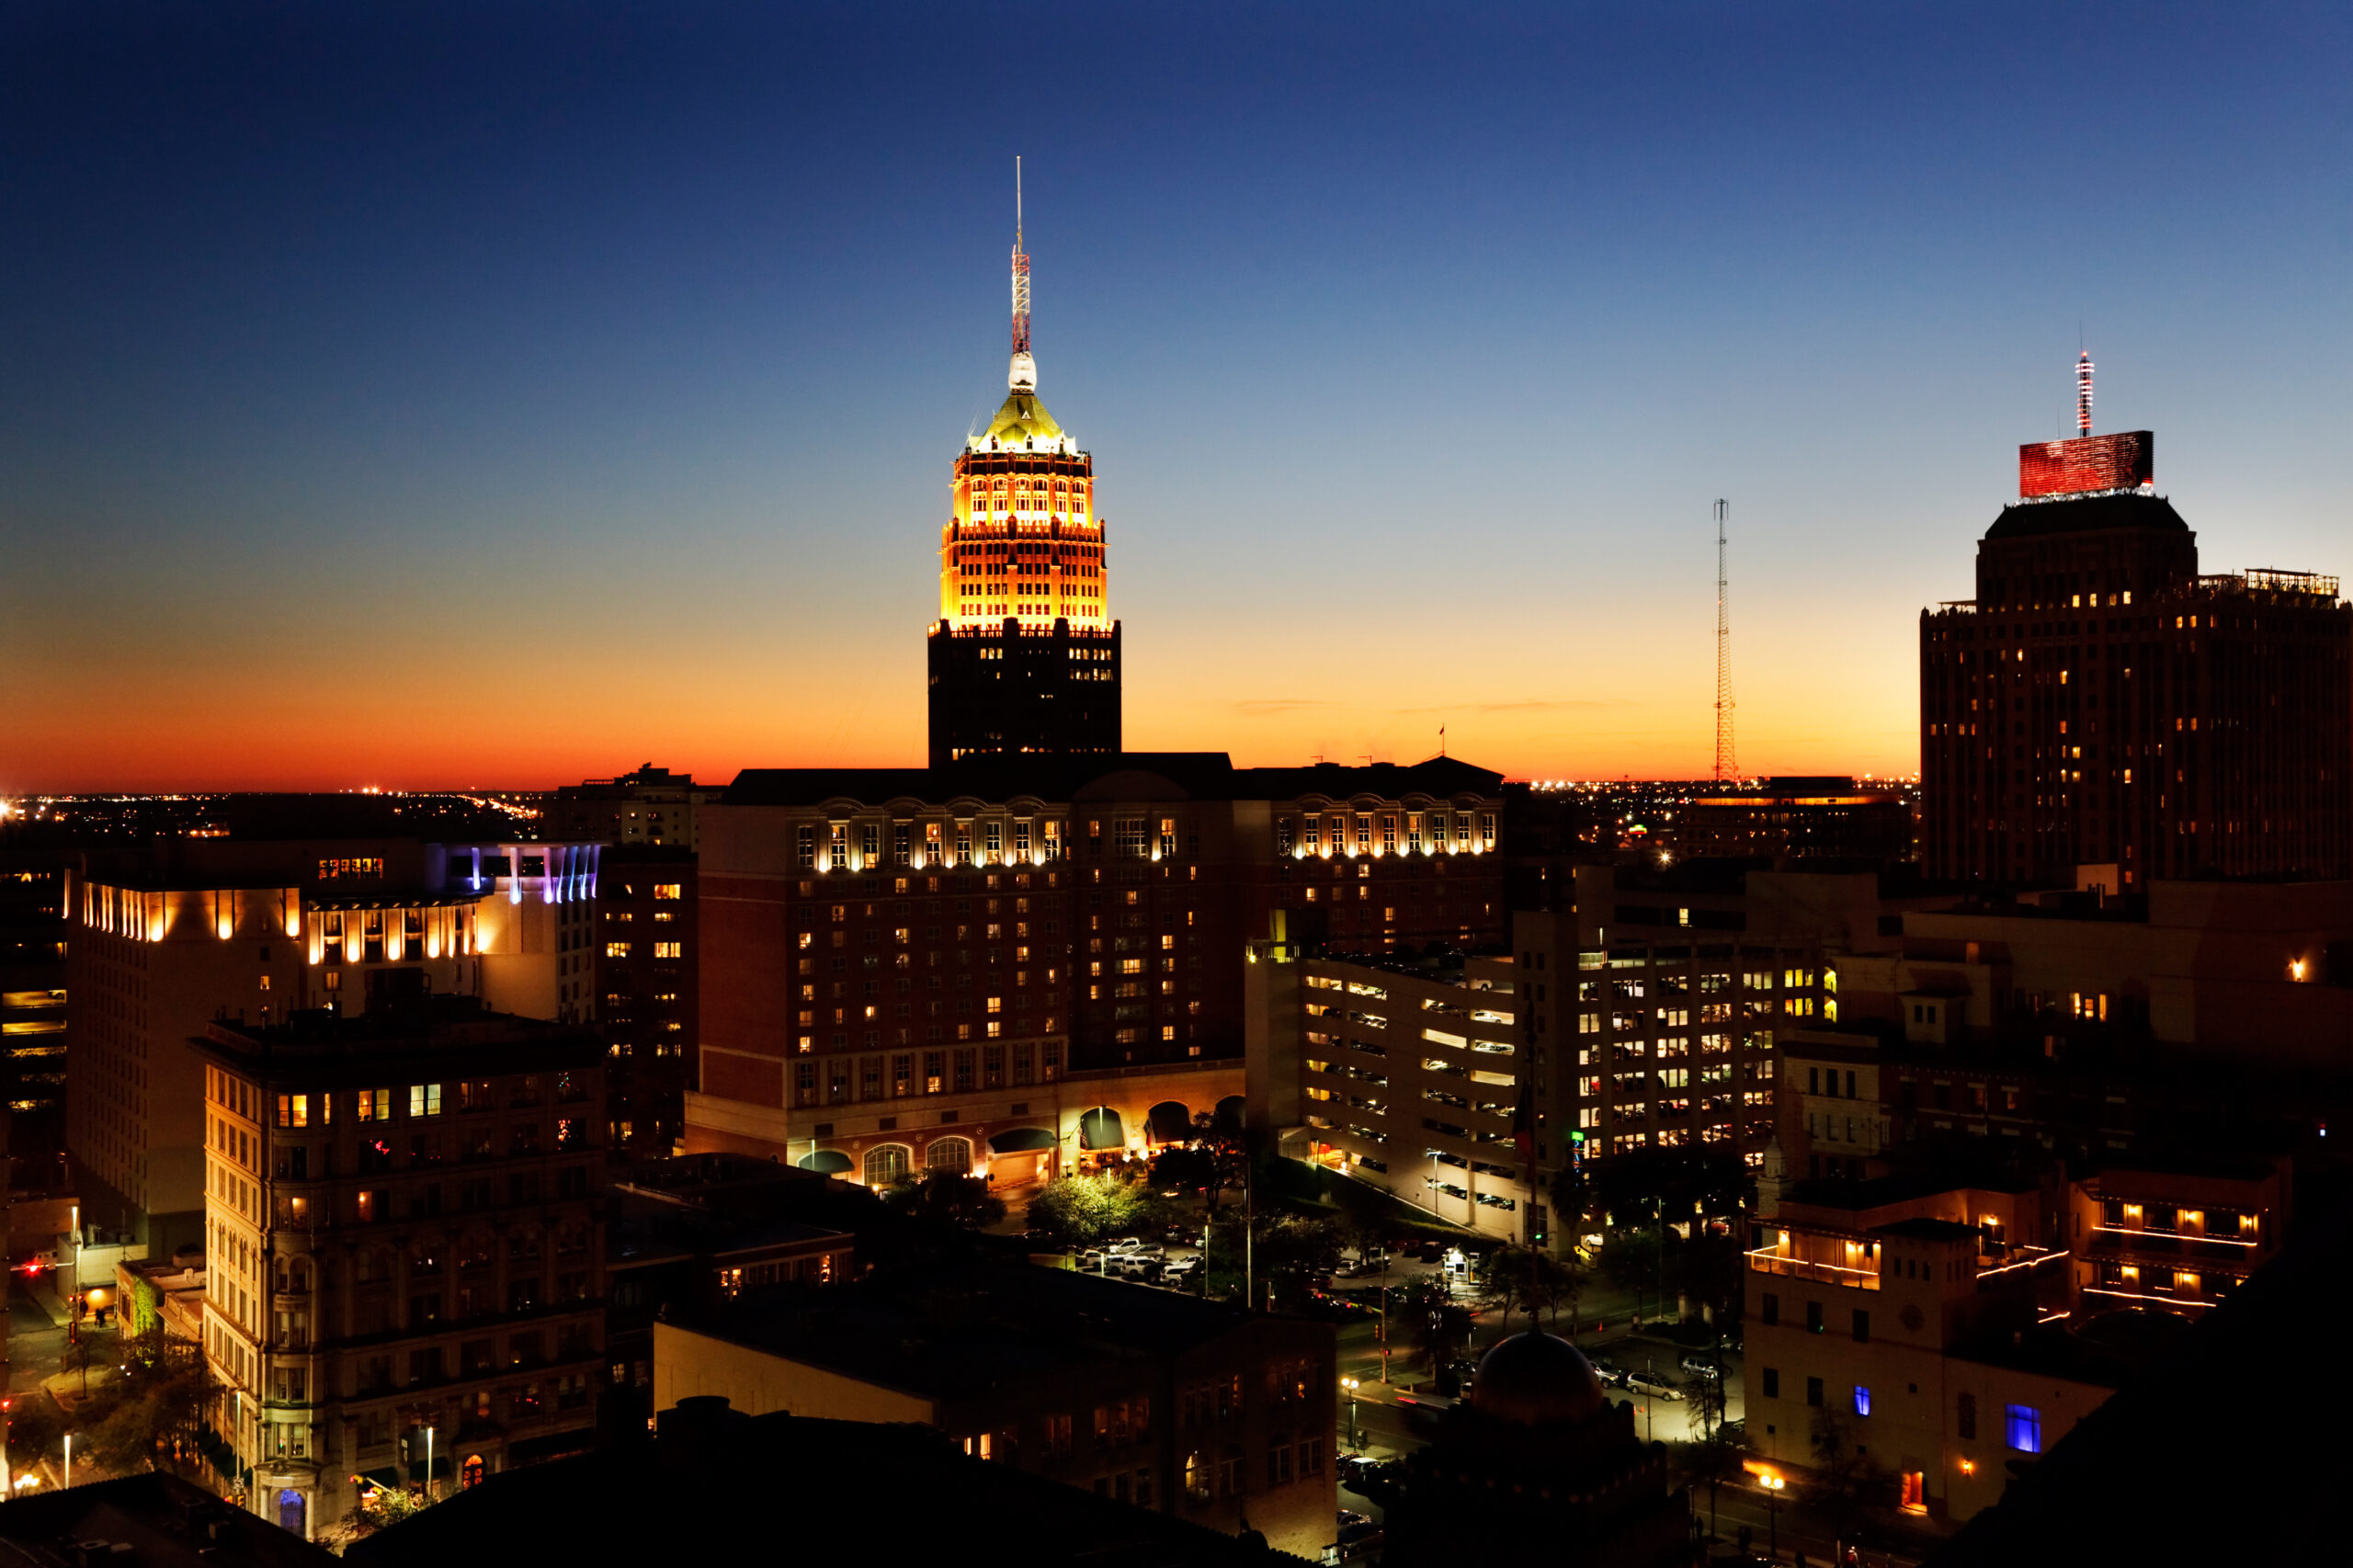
{"type": "Point", "coordinates": [1025, 655]}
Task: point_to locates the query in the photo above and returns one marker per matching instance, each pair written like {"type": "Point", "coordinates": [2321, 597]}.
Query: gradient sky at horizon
{"type": "Point", "coordinates": [505, 394]}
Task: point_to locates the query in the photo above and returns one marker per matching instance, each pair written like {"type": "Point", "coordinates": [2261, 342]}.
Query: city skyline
{"type": "Point", "coordinates": [470, 402]}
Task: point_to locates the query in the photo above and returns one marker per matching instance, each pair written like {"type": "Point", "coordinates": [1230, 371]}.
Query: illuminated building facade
{"type": "Point", "coordinates": [1407, 1074]}
{"type": "Point", "coordinates": [2102, 704]}
{"type": "Point", "coordinates": [1952, 1331]}
{"type": "Point", "coordinates": [993, 952]}
{"type": "Point", "coordinates": [1025, 655]}
{"type": "Point", "coordinates": [401, 1233]}
{"type": "Point", "coordinates": [157, 949]}
{"type": "Point", "coordinates": [645, 952]}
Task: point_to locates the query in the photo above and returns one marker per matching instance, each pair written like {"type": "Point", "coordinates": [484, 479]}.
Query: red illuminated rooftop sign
{"type": "Point", "coordinates": [2121, 462]}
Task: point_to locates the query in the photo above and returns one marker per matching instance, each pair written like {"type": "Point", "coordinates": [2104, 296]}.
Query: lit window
{"type": "Point", "coordinates": [1862, 1400]}
{"type": "Point", "coordinates": [616, 949]}
{"type": "Point", "coordinates": [2025, 1429]}
{"type": "Point", "coordinates": [669, 949]}
{"type": "Point", "coordinates": [424, 1099]}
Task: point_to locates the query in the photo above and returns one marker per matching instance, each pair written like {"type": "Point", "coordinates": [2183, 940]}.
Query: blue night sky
{"type": "Point", "coordinates": [497, 393]}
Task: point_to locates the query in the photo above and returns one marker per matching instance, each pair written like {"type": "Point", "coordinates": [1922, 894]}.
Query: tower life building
{"type": "Point", "coordinates": [1025, 656]}
{"type": "Point", "coordinates": [2101, 704]}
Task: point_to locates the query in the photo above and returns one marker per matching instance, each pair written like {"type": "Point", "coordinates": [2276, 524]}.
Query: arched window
{"type": "Point", "coordinates": [1197, 1478]}
{"type": "Point", "coordinates": [886, 1164]}
{"type": "Point", "coordinates": [949, 1155]}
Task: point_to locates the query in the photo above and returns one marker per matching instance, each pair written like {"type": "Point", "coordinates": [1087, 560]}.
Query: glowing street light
{"type": "Point", "coordinates": [1351, 1384]}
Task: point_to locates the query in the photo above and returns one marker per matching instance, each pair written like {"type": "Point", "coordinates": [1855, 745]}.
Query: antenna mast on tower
{"type": "Point", "coordinates": [1727, 771]}
{"type": "Point", "coordinates": [2084, 393]}
{"type": "Point", "coordinates": [1020, 269]}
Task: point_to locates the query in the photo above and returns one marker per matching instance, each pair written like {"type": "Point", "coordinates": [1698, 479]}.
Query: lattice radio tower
{"type": "Point", "coordinates": [1020, 271]}
{"type": "Point", "coordinates": [1727, 771]}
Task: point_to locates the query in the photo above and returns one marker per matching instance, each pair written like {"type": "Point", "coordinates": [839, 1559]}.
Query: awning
{"type": "Point", "coordinates": [832, 1162]}
{"type": "Point", "coordinates": [1021, 1141]}
{"type": "Point", "coordinates": [1171, 1122]}
{"type": "Point", "coordinates": [1100, 1129]}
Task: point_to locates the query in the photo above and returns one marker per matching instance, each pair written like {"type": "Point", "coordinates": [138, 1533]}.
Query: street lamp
{"type": "Point", "coordinates": [1773, 1485]}
{"type": "Point", "coordinates": [1351, 1384]}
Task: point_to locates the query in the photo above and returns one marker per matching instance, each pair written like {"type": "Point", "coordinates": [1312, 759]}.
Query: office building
{"type": "Point", "coordinates": [2102, 703]}
{"type": "Point", "coordinates": [1209, 1412]}
{"type": "Point", "coordinates": [32, 1009]}
{"type": "Point", "coordinates": [1025, 655]}
{"type": "Point", "coordinates": [1793, 818]}
{"type": "Point", "coordinates": [646, 954]}
{"type": "Point", "coordinates": [1409, 1073]}
{"type": "Point", "coordinates": [2082, 1025]}
{"type": "Point", "coordinates": [402, 1238]}
{"type": "Point", "coordinates": [160, 945]}
{"type": "Point", "coordinates": [1001, 947]}
{"type": "Point", "coordinates": [649, 806]}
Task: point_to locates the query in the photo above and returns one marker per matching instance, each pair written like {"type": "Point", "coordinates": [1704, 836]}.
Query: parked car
{"type": "Point", "coordinates": [1134, 1265]}
{"type": "Point", "coordinates": [1654, 1384]}
{"type": "Point", "coordinates": [1179, 1269]}
{"type": "Point", "coordinates": [1358, 1541]}
{"type": "Point", "coordinates": [1611, 1374]}
{"type": "Point", "coordinates": [1091, 1261]}
{"type": "Point", "coordinates": [1128, 1245]}
{"type": "Point", "coordinates": [1703, 1366]}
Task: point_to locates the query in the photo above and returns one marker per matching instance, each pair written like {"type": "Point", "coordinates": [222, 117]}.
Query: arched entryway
{"type": "Point", "coordinates": [953, 1155]}
{"type": "Point", "coordinates": [293, 1511]}
{"type": "Point", "coordinates": [1170, 1121]}
{"type": "Point", "coordinates": [886, 1164]}
{"type": "Point", "coordinates": [470, 1473]}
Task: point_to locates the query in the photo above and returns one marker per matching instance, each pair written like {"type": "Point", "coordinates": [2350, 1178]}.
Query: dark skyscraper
{"type": "Point", "coordinates": [1025, 656]}
{"type": "Point", "coordinates": [2101, 703]}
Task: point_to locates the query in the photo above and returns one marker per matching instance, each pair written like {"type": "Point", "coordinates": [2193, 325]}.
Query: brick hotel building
{"type": "Point", "coordinates": [2100, 703]}
{"type": "Point", "coordinates": [907, 969]}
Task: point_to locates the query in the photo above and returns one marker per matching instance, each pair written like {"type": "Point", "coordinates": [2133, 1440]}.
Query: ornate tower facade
{"type": "Point", "coordinates": [1025, 655]}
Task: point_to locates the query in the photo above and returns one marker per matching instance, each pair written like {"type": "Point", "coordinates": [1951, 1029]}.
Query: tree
{"type": "Point", "coordinates": [379, 1506]}
{"type": "Point", "coordinates": [1531, 1280]}
{"type": "Point", "coordinates": [1844, 1477]}
{"type": "Point", "coordinates": [1707, 1269]}
{"type": "Point", "coordinates": [1212, 1162]}
{"type": "Point", "coordinates": [1572, 1195]}
{"type": "Point", "coordinates": [1713, 1453]}
{"type": "Point", "coordinates": [1294, 1251]}
{"type": "Point", "coordinates": [150, 1413]}
{"type": "Point", "coordinates": [1437, 1323]}
{"type": "Point", "coordinates": [1081, 1210]}
{"type": "Point", "coordinates": [949, 1197]}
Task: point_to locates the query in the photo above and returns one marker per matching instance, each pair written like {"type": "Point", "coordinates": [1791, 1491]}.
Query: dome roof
{"type": "Point", "coordinates": [1021, 418]}
{"type": "Point", "coordinates": [1534, 1378]}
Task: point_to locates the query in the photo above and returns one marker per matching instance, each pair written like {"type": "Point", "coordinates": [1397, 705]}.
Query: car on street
{"type": "Point", "coordinates": [1654, 1384]}
{"type": "Point", "coordinates": [1703, 1366]}
{"type": "Point", "coordinates": [1611, 1374]}
{"type": "Point", "coordinates": [1357, 1542]}
{"type": "Point", "coordinates": [1429, 1400]}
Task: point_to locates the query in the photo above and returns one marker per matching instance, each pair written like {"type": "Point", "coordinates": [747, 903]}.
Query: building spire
{"type": "Point", "coordinates": [2083, 388]}
{"type": "Point", "coordinates": [1023, 377]}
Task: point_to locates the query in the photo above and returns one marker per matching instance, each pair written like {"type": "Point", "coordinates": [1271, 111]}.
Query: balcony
{"type": "Point", "coordinates": [1766, 1260]}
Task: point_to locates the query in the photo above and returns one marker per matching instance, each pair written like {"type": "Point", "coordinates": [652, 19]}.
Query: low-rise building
{"type": "Point", "coordinates": [1196, 1409]}
{"type": "Point", "coordinates": [1948, 1332]}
